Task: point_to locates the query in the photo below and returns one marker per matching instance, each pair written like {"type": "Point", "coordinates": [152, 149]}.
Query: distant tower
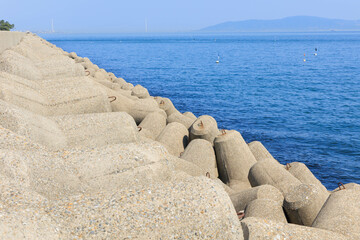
{"type": "Point", "coordinates": [52, 26]}
{"type": "Point", "coordinates": [146, 25]}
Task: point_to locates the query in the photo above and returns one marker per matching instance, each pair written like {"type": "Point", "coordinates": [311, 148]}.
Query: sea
{"type": "Point", "coordinates": [297, 93]}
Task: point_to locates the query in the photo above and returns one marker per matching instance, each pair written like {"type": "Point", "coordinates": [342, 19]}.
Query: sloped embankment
{"type": "Point", "coordinates": [86, 155]}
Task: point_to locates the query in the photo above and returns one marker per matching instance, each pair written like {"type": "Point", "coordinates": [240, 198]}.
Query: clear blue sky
{"type": "Point", "coordinates": [115, 16]}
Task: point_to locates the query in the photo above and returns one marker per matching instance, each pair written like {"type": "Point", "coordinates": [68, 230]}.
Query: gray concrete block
{"type": "Point", "coordinates": [10, 39]}
{"type": "Point", "coordinates": [140, 92]}
{"type": "Point", "coordinates": [303, 203]}
{"type": "Point", "coordinates": [341, 213]}
{"type": "Point", "coordinates": [234, 158]}
{"type": "Point", "coordinates": [127, 86]}
{"type": "Point", "coordinates": [154, 122]}
{"type": "Point", "coordinates": [266, 209]}
{"type": "Point", "coordinates": [259, 151]}
{"type": "Point", "coordinates": [241, 199]}
{"type": "Point", "coordinates": [201, 153]}
{"type": "Point", "coordinates": [35, 127]}
{"type": "Point", "coordinates": [174, 137]}
{"type": "Point", "coordinates": [166, 105]}
{"type": "Point", "coordinates": [180, 118]}
{"type": "Point", "coordinates": [190, 115]}
{"type": "Point", "coordinates": [267, 171]}
{"type": "Point", "coordinates": [141, 108]}
{"type": "Point", "coordinates": [205, 127]}
{"type": "Point", "coordinates": [97, 129]}
{"type": "Point", "coordinates": [16, 64]}
{"type": "Point", "coordinates": [302, 172]}
{"type": "Point", "coordinates": [262, 229]}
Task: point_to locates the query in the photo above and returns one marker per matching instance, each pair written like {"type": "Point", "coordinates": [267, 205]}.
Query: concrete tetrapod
{"type": "Point", "coordinates": [201, 153]}
{"type": "Point", "coordinates": [302, 172]}
{"type": "Point", "coordinates": [174, 137]}
{"type": "Point", "coordinates": [155, 122]}
{"type": "Point", "coordinates": [341, 213]}
{"type": "Point", "coordinates": [50, 63]}
{"type": "Point", "coordinates": [303, 203]}
{"type": "Point", "coordinates": [16, 64]}
{"type": "Point", "coordinates": [140, 92]}
{"type": "Point", "coordinates": [180, 118]}
{"type": "Point", "coordinates": [10, 39]}
{"type": "Point", "coordinates": [266, 209]}
{"type": "Point", "coordinates": [261, 229]}
{"type": "Point", "coordinates": [227, 189]}
{"type": "Point", "coordinates": [127, 86]}
{"type": "Point", "coordinates": [120, 81]}
{"type": "Point", "coordinates": [36, 51]}
{"type": "Point", "coordinates": [120, 103]}
{"type": "Point", "coordinates": [205, 127]}
{"type": "Point", "coordinates": [190, 115]}
{"type": "Point", "coordinates": [141, 108]}
{"type": "Point", "coordinates": [100, 75]}
{"type": "Point", "coordinates": [267, 171]}
{"type": "Point", "coordinates": [202, 211]}
{"type": "Point", "coordinates": [259, 151]}
{"type": "Point", "coordinates": [166, 105]}
{"type": "Point", "coordinates": [33, 126]}
{"type": "Point", "coordinates": [97, 129]}
{"type": "Point", "coordinates": [241, 199]}
{"type": "Point", "coordinates": [79, 95]}
{"type": "Point", "coordinates": [233, 156]}
{"type": "Point", "coordinates": [22, 93]}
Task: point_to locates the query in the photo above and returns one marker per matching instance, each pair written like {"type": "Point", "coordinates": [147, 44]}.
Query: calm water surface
{"type": "Point", "coordinates": [301, 111]}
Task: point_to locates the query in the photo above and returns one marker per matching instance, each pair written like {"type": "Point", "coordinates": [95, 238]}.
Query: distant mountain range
{"type": "Point", "coordinates": [289, 24]}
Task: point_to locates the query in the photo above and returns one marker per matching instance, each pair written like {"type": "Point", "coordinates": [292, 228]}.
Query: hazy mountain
{"type": "Point", "coordinates": [291, 24]}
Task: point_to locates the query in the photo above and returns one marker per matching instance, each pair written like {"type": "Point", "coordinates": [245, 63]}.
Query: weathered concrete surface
{"type": "Point", "coordinates": [84, 172]}
{"type": "Point", "coordinates": [109, 192]}
{"type": "Point", "coordinates": [303, 203]}
{"type": "Point", "coordinates": [233, 157]}
{"type": "Point", "coordinates": [259, 151]}
{"type": "Point", "coordinates": [180, 118]}
{"type": "Point", "coordinates": [268, 171]}
{"type": "Point", "coordinates": [201, 153]}
{"type": "Point", "coordinates": [241, 199]}
{"type": "Point", "coordinates": [341, 212]}
{"type": "Point", "coordinates": [266, 209]}
{"type": "Point", "coordinates": [97, 129]}
{"type": "Point", "coordinates": [260, 229]}
{"type": "Point", "coordinates": [303, 173]}
{"type": "Point", "coordinates": [154, 122]}
{"type": "Point", "coordinates": [9, 39]}
{"type": "Point", "coordinates": [175, 138]}
{"type": "Point", "coordinates": [36, 127]}
{"type": "Point", "coordinates": [166, 105]}
{"type": "Point", "coordinates": [205, 127]}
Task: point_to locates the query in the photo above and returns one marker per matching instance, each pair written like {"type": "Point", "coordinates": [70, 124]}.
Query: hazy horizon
{"type": "Point", "coordinates": [112, 16]}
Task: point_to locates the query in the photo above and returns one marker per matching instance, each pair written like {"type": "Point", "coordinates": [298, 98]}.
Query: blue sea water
{"type": "Point", "coordinates": [301, 111]}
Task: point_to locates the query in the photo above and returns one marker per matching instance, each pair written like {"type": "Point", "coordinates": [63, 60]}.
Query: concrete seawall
{"type": "Point", "coordinates": [9, 39]}
{"type": "Point", "coordinates": [86, 155]}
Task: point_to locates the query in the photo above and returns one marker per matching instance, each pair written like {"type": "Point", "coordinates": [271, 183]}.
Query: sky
{"type": "Point", "coordinates": [117, 16]}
